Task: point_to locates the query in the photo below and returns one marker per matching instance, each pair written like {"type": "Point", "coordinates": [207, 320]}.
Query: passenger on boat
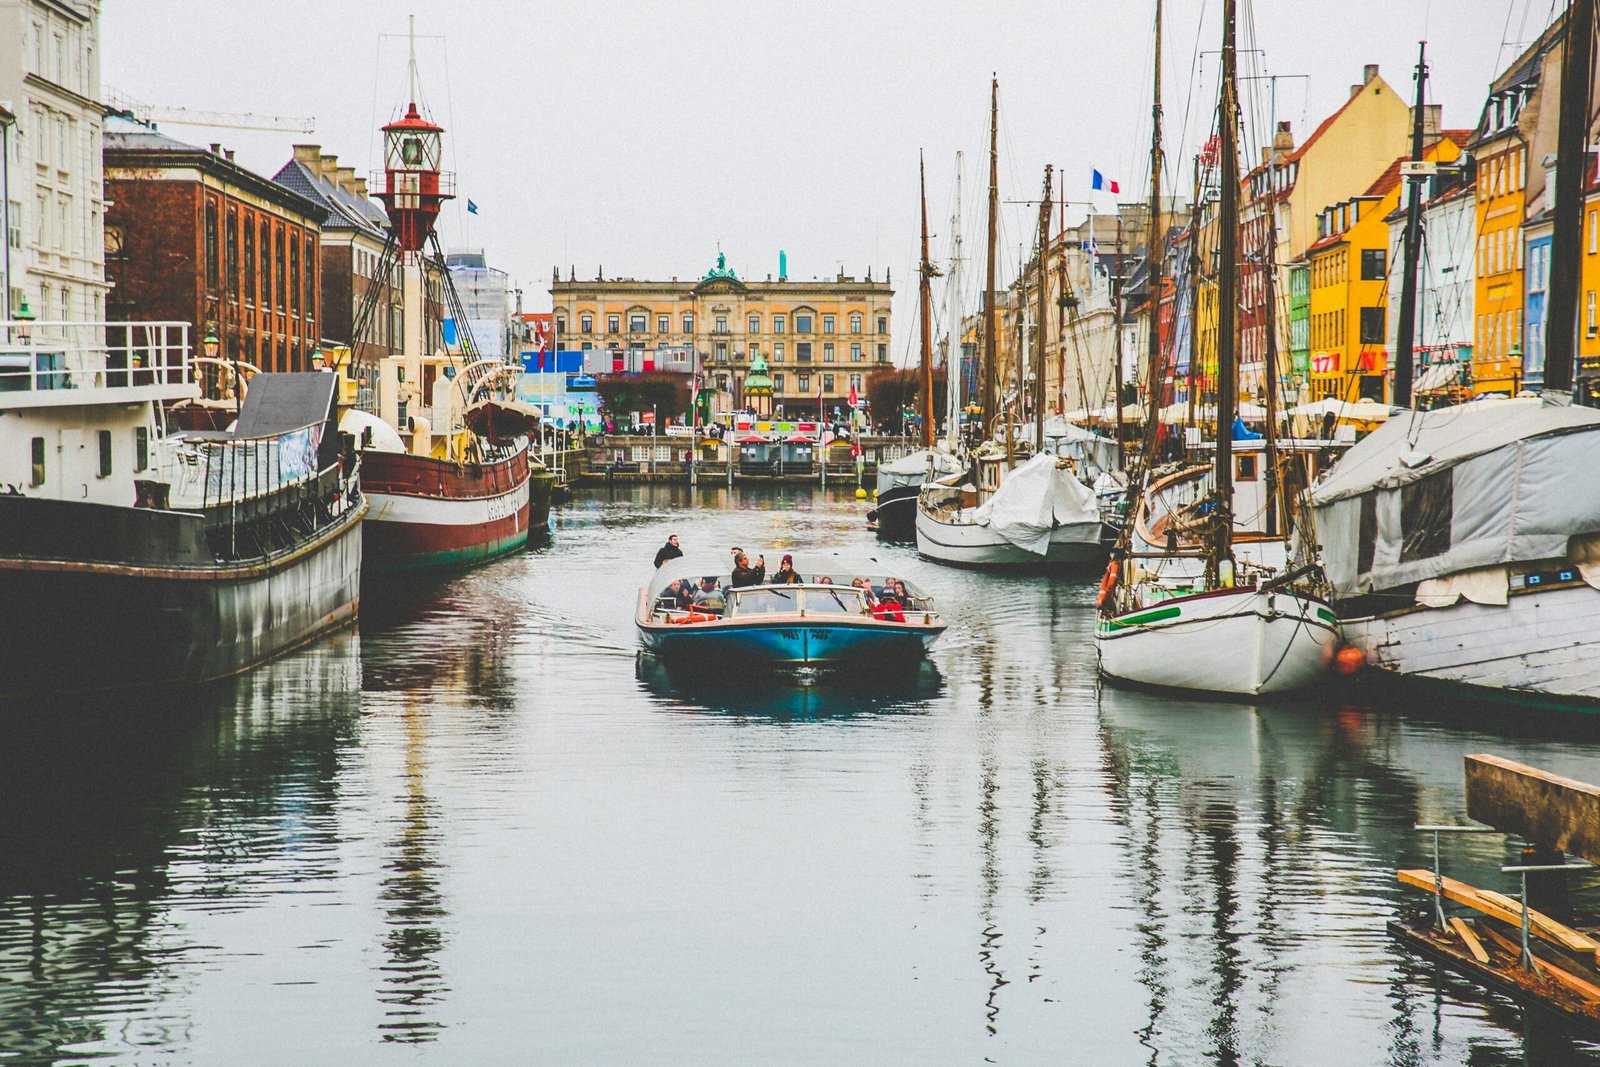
{"type": "Point", "coordinates": [888, 609]}
{"type": "Point", "coordinates": [708, 597]}
{"type": "Point", "coordinates": [823, 579]}
{"type": "Point", "coordinates": [670, 550]}
{"type": "Point", "coordinates": [744, 574]}
{"type": "Point", "coordinates": [681, 593]}
{"type": "Point", "coordinates": [786, 573]}
{"type": "Point", "coordinates": [866, 591]}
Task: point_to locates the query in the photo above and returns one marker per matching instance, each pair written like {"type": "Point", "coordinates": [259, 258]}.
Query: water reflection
{"type": "Point", "coordinates": [786, 697]}
{"type": "Point", "coordinates": [119, 816]}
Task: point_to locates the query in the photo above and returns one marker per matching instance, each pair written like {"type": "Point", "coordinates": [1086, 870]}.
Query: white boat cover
{"type": "Point", "coordinates": [912, 469]}
{"type": "Point", "coordinates": [1034, 499]}
{"type": "Point", "coordinates": [1074, 442]}
{"type": "Point", "coordinates": [1459, 488]}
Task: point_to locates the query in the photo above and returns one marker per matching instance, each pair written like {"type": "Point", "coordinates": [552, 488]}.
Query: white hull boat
{"type": "Point", "coordinates": [969, 544]}
{"type": "Point", "coordinates": [1540, 647]}
{"type": "Point", "coordinates": [1244, 642]}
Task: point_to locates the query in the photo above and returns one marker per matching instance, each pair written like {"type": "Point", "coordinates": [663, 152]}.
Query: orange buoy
{"type": "Point", "coordinates": [1349, 660]}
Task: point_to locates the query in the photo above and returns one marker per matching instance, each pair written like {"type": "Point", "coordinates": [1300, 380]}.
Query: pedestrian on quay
{"type": "Point", "coordinates": [670, 550]}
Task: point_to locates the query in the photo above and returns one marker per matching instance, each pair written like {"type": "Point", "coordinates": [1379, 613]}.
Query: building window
{"type": "Point", "coordinates": [1372, 325]}
{"type": "Point", "coordinates": [777, 383]}
{"type": "Point", "coordinates": [636, 323]}
{"type": "Point", "coordinates": [802, 351]}
{"type": "Point", "coordinates": [777, 352]}
{"type": "Point", "coordinates": [827, 351]}
{"type": "Point", "coordinates": [141, 448]}
{"type": "Point", "coordinates": [663, 324]}
{"type": "Point", "coordinates": [250, 261]}
{"type": "Point", "coordinates": [855, 353]}
{"type": "Point", "coordinates": [780, 324]}
{"type": "Point", "coordinates": [36, 449]}
{"type": "Point", "coordinates": [802, 323]}
{"type": "Point", "coordinates": [827, 383]}
{"type": "Point", "coordinates": [1373, 266]}
{"type": "Point", "coordinates": [755, 324]}
{"type": "Point", "coordinates": [721, 324]}
{"type": "Point", "coordinates": [755, 352]}
{"type": "Point", "coordinates": [722, 351]}
{"type": "Point", "coordinates": [279, 286]}
{"type": "Point", "coordinates": [855, 322]}
{"type": "Point", "coordinates": [211, 246]}
{"type": "Point", "coordinates": [230, 260]}
{"type": "Point", "coordinates": [855, 383]}
{"type": "Point", "coordinates": [688, 324]}
{"type": "Point", "coordinates": [1594, 232]}
{"type": "Point", "coordinates": [805, 384]}
{"type": "Point", "coordinates": [613, 323]}
{"type": "Point", "coordinates": [883, 324]}
{"type": "Point", "coordinates": [294, 277]}
{"type": "Point", "coordinates": [1588, 318]}
{"type": "Point", "coordinates": [586, 323]}
{"type": "Point", "coordinates": [883, 353]}
{"type": "Point", "coordinates": [827, 323]}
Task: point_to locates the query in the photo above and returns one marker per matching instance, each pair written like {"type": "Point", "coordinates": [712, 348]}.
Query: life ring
{"type": "Point", "coordinates": [1107, 584]}
{"type": "Point", "coordinates": [692, 616]}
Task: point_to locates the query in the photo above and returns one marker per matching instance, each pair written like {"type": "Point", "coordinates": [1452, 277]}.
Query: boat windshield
{"type": "Point", "coordinates": [823, 601]}
{"type": "Point", "coordinates": [764, 600]}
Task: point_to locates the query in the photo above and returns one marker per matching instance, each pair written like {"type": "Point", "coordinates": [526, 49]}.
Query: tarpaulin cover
{"type": "Point", "coordinates": [1034, 499]}
{"type": "Point", "coordinates": [1444, 491]}
{"type": "Point", "coordinates": [912, 469]}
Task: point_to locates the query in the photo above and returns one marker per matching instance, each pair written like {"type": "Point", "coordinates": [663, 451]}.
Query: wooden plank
{"type": "Point", "coordinates": [1504, 909]}
{"type": "Point", "coordinates": [1547, 809]}
{"type": "Point", "coordinates": [1584, 988]}
{"type": "Point", "coordinates": [1470, 939]}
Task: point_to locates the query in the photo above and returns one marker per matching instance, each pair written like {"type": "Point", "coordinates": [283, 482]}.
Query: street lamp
{"type": "Point", "coordinates": [24, 318]}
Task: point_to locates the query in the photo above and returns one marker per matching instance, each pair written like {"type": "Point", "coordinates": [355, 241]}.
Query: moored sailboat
{"type": "Point", "coordinates": [1180, 607]}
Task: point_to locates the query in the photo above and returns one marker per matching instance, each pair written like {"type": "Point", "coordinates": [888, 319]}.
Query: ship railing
{"type": "Point", "coordinates": [60, 361]}
{"type": "Point", "coordinates": [207, 472]}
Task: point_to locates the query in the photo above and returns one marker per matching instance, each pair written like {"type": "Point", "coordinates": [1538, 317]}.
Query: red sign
{"type": "Point", "coordinates": [1325, 363]}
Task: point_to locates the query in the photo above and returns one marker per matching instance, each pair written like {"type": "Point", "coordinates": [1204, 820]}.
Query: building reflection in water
{"type": "Point", "coordinates": [122, 814]}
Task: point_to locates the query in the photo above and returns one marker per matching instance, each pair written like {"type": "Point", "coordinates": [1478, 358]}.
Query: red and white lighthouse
{"type": "Point", "coordinates": [413, 186]}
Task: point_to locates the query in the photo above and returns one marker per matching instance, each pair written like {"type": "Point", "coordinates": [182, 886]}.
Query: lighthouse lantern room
{"type": "Point", "coordinates": [413, 186]}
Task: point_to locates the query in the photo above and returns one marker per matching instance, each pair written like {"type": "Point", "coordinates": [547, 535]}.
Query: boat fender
{"type": "Point", "coordinates": [1107, 583]}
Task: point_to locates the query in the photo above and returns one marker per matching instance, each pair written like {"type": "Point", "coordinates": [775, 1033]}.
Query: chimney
{"type": "Point", "coordinates": [228, 155]}
{"type": "Point", "coordinates": [1369, 72]}
{"type": "Point", "coordinates": [216, 148]}
{"type": "Point", "coordinates": [345, 178]}
{"type": "Point", "coordinates": [327, 165]}
{"type": "Point", "coordinates": [360, 189]}
{"type": "Point", "coordinates": [308, 154]}
{"type": "Point", "coordinates": [1432, 119]}
{"type": "Point", "coordinates": [1283, 140]}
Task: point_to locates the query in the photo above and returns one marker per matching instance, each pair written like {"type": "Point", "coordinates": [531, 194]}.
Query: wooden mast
{"type": "Point", "coordinates": [1405, 359]}
{"type": "Point", "coordinates": [991, 357]}
{"type": "Point", "coordinates": [1227, 300]}
{"type": "Point", "coordinates": [1154, 260]}
{"type": "Point", "coordinates": [1038, 327]}
{"type": "Point", "coordinates": [1572, 164]}
{"type": "Point", "coordinates": [1116, 327]}
{"type": "Point", "coordinates": [926, 270]}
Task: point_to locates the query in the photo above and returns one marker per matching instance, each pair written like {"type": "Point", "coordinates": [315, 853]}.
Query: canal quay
{"type": "Point", "coordinates": [485, 829]}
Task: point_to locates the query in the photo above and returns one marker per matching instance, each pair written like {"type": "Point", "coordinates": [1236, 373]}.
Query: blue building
{"type": "Point", "coordinates": [1539, 235]}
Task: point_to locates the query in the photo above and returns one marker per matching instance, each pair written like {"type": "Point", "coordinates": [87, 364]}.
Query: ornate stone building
{"type": "Point", "coordinates": [817, 338]}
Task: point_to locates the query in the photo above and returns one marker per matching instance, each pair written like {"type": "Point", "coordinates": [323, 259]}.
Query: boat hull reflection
{"type": "Point", "coordinates": [808, 695]}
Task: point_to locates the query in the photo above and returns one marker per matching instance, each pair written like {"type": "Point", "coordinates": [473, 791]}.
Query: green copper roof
{"type": "Point", "coordinates": [757, 381]}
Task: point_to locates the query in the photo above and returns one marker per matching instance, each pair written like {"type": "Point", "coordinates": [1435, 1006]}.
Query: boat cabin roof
{"type": "Point", "coordinates": [840, 570]}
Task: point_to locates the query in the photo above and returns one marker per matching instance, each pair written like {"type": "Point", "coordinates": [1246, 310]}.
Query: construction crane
{"type": "Point", "coordinates": [187, 116]}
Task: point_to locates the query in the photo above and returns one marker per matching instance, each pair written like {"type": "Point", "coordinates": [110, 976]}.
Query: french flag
{"type": "Point", "coordinates": [1101, 184]}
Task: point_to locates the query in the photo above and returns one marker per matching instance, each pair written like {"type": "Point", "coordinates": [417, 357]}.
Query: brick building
{"type": "Point", "coordinates": [192, 236]}
{"type": "Point", "coordinates": [353, 236]}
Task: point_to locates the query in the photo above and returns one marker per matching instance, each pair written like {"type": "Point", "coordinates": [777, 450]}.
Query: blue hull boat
{"type": "Point", "coordinates": [823, 622]}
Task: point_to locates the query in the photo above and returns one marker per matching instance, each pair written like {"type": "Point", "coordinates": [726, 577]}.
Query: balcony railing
{"type": "Point", "coordinates": [61, 362]}
{"type": "Point", "coordinates": [206, 472]}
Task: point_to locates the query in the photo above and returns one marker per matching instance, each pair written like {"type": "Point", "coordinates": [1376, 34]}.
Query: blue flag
{"type": "Point", "coordinates": [472, 208]}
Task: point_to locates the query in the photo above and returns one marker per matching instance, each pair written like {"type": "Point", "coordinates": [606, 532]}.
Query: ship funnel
{"type": "Point", "coordinates": [783, 265]}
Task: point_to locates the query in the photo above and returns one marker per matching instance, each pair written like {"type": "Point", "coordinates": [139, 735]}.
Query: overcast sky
{"type": "Point", "coordinates": [639, 136]}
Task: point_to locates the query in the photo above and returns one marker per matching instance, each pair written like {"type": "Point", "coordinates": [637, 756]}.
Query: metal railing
{"type": "Point", "coordinates": [50, 356]}
{"type": "Point", "coordinates": [208, 472]}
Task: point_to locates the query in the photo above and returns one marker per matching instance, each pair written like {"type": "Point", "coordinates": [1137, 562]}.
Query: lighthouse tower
{"type": "Point", "coordinates": [412, 189]}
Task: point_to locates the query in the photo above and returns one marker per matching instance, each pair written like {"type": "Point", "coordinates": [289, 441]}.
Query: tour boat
{"type": "Point", "coordinates": [1036, 514]}
{"type": "Point", "coordinates": [812, 624]}
{"type": "Point", "coordinates": [134, 556]}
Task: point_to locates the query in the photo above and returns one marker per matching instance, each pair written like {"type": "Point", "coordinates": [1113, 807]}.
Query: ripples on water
{"type": "Point", "coordinates": [487, 829]}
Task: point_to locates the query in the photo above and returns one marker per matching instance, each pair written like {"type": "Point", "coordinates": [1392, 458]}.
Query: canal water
{"type": "Point", "coordinates": [486, 830]}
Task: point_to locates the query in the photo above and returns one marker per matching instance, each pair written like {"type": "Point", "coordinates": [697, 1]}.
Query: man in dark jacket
{"type": "Point", "coordinates": [670, 550]}
{"type": "Point", "coordinates": [744, 574]}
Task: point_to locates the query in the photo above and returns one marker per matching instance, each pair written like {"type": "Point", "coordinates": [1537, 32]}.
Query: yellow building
{"type": "Point", "coordinates": [1589, 291]}
{"type": "Point", "coordinates": [1350, 276]}
{"type": "Point", "coordinates": [817, 338]}
{"type": "Point", "coordinates": [1514, 136]}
